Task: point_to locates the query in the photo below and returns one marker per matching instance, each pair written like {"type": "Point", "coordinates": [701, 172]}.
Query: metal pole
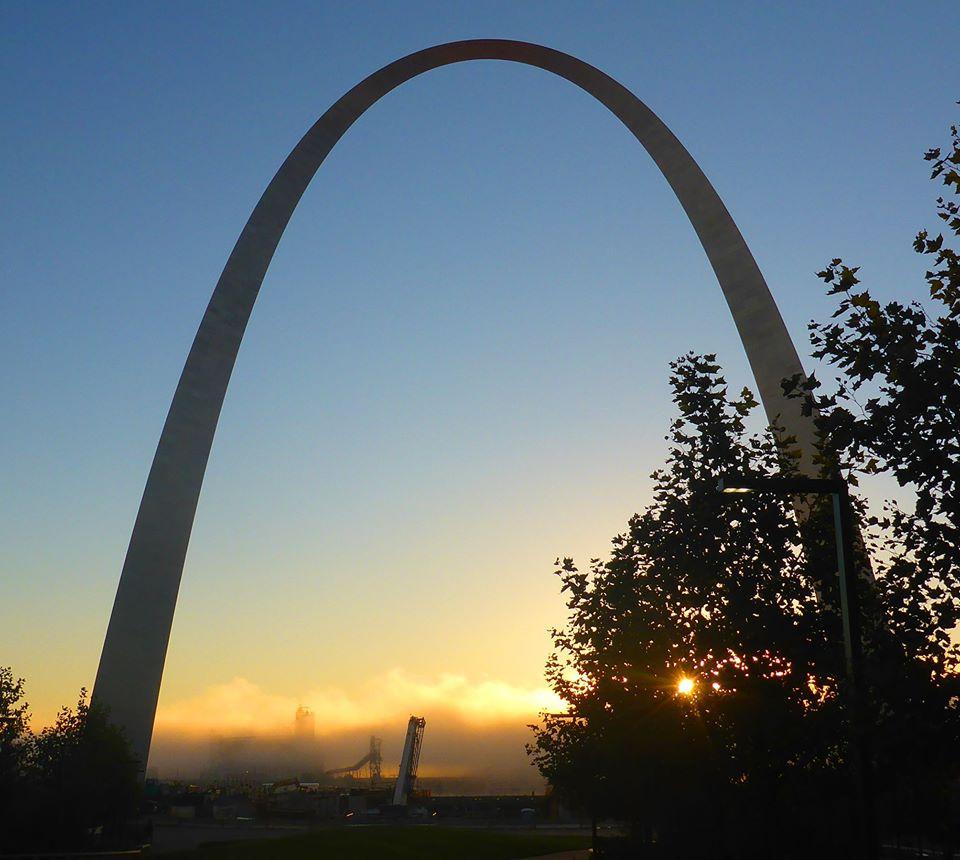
{"type": "Point", "coordinates": [853, 654]}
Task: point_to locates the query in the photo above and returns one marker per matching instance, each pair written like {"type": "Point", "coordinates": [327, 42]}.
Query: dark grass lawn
{"type": "Point", "coordinates": [394, 843]}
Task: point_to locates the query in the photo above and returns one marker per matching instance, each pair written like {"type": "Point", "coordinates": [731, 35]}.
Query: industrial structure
{"type": "Point", "coordinates": [131, 664]}
{"type": "Point", "coordinates": [409, 761]}
{"type": "Point", "coordinates": [338, 791]}
{"type": "Point", "coordinates": [372, 761]}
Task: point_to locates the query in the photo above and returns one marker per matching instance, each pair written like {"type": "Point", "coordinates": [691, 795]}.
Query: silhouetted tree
{"type": "Point", "coordinates": [14, 746]}
{"type": "Point", "coordinates": [72, 785]}
{"type": "Point", "coordinates": [85, 776]}
{"type": "Point", "coordinates": [719, 589]}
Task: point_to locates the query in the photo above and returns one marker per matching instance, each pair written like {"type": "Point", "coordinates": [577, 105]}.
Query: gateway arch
{"type": "Point", "coordinates": [131, 664]}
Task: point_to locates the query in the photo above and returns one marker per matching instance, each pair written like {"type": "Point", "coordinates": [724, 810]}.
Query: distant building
{"type": "Point", "coordinates": [304, 723]}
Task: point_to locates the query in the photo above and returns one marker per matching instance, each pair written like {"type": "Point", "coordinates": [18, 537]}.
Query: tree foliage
{"type": "Point", "coordinates": [71, 785]}
{"type": "Point", "coordinates": [893, 409]}
{"type": "Point", "coordinates": [14, 737]}
{"type": "Point", "coordinates": [716, 589]}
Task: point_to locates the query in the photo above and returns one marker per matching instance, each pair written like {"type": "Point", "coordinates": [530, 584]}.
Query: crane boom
{"type": "Point", "coordinates": [409, 760]}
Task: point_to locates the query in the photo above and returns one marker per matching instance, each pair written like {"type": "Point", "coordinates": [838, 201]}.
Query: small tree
{"type": "Point", "coordinates": [72, 785]}
{"type": "Point", "coordinates": [14, 745]}
{"type": "Point", "coordinates": [85, 775]}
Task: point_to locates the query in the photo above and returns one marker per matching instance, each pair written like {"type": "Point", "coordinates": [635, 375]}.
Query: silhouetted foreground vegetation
{"type": "Point", "coordinates": [73, 785]}
{"type": "Point", "coordinates": [396, 843]}
{"type": "Point", "coordinates": [740, 595]}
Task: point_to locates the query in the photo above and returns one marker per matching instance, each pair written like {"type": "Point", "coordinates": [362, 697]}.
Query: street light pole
{"type": "Point", "coordinates": [850, 613]}
{"type": "Point", "coordinates": [849, 586]}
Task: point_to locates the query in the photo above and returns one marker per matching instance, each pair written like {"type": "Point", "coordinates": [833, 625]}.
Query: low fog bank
{"type": "Point", "coordinates": [455, 758]}
{"type": "Point", "coordinates": [473, 742]}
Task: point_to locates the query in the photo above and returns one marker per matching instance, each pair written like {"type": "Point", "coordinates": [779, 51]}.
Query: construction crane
{"type": "Point", "coordinates": [409, 761]}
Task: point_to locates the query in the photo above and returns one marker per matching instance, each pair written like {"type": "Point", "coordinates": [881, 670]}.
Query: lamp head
{"type": "Point", "coordinates": [731, 485]}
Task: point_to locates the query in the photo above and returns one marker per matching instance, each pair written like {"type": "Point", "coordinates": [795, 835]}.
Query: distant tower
{"type": "Point", "coordinates": [304, 724]}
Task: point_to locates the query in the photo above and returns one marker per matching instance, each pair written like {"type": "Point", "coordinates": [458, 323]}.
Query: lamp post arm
{"type": "Point", "coordinates": [849, 587]}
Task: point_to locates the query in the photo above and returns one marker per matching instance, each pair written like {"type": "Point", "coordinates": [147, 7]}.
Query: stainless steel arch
{"type": "Point", "coordinates": [131, 665]}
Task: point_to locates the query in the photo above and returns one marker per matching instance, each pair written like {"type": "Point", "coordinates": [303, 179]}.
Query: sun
{"type": "Point", "coordinates": [685, 686]}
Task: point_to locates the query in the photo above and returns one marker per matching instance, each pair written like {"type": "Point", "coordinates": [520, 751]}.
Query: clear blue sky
{"type": "Point", "coordinates": [417, 425]}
